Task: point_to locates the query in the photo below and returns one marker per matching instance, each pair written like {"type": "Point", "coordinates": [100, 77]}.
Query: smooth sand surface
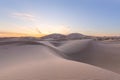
{"type": "Point", "coordinates": [29, 60]}
{"type": "Point", "coordinates": [94, 52]}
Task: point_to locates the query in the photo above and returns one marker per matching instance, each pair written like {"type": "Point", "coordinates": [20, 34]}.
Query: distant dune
{"type": "Point", "coordinates": [56, 36]}
{"type": "Point", "coordinates": [68, 60]}
{"type": "Point", "coordinates": [75, 36]}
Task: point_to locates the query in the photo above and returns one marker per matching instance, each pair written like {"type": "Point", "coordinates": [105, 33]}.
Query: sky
{"type": "Point", "coordinates": [90, 17]}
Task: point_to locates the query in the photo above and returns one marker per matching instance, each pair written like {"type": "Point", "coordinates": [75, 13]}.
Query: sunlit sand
{"type": "Point", "coordinates": [85, 59]}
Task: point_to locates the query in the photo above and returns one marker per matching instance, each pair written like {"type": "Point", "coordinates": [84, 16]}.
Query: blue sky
{"type": "Point", "coordinates": [90, 17]}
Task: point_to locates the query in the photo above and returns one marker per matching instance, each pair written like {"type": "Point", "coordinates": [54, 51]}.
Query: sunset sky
{"type": "Point", "coordinates": [90, 17]}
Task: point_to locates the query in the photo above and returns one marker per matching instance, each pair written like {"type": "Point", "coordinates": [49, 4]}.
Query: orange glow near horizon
{"type": "Point", "coordinates": [7, 34]}
{"type": "Point", "coordinates": [32, 34]}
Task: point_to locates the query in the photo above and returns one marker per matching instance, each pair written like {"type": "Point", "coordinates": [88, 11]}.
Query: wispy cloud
{"type": "Point", "coordinates": [24, 16]}
{"type": "Point", "coordinates": [38, 25]}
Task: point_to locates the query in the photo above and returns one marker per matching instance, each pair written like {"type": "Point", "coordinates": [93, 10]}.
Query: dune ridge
{"type": "Point", "coordinates": [94, 52]}
{"type": "Point", "coordinates": [36, 60]}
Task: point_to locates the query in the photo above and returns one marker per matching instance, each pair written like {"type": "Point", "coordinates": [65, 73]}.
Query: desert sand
{"type": "Point", "coordinates": [71, 60]}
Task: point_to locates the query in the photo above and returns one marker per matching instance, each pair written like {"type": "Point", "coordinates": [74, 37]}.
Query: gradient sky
{"type": "Point", "coordinates": [90, 17]}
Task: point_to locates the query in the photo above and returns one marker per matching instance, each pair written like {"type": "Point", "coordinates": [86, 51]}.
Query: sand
{"type": "Point", "coordinates": [95, 53]}
{"type": "Point", "coordinates": [72, 60]}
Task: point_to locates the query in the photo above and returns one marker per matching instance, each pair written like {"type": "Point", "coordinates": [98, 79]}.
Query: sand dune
{"type": "Point", "coordinates": [56, 69]}
{"type": "Point", "coordinates": [93, 52]}
{"type": "Point", "coordinates": [29, 60]}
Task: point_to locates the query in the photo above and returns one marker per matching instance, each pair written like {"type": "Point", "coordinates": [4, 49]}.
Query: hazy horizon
{"type": "Point", "coordinates": [39, 17]}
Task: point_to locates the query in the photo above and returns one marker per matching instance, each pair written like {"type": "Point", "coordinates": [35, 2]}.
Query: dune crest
{"type": "Point", "coordinates": [94, 52]}
{"type": "Point", "coordinates": [40, 60]}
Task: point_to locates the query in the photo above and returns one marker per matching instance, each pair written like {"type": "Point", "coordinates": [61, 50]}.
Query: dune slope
{"type": "Point", "coordinates": [36, 61]}
{"type": "Point", "coordinates": [94, 52]}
